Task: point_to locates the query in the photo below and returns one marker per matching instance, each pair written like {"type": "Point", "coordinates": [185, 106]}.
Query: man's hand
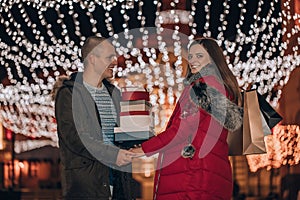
{"type": "Point", "coordinates": [124, 157]}
{"type": "Point", "coordinates": [138, 151]}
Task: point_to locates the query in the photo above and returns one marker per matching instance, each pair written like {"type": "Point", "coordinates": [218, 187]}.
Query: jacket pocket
{"type": "Point", "coordinates": [90, 182]}
{"type": "Point", "coordinates": [78, 162]}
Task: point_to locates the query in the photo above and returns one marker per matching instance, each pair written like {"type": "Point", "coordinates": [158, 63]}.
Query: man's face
{"type": "Point", "coordinates": [104, 60]}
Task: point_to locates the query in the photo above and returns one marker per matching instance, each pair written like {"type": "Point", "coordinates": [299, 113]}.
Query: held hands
{"type": "Point", "coordinates": [125, 157]}
{"type": "Point", "coordinates": [138, 151]}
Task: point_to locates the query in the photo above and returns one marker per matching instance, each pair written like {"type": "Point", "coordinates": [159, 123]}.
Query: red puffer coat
{"type": "Point", "coordinates": [200, 116]}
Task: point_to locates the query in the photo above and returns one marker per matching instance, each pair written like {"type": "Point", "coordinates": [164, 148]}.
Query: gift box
{"type": "Point", "coordinates": [132, 136]}
{"type": "Point", "coordinates": [133, 129]}
{"type": "Point", "coordinates": [128, 137]}
{"type": "Point", "coordinates": [137, 105]}
{"type": "Point", "coordinates": [136, 119]}
{"type": "Point", "coordinates": [135, 95]}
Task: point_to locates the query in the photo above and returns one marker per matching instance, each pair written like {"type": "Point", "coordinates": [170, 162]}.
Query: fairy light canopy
{"type": "Point", "coordinates": [41, 39]}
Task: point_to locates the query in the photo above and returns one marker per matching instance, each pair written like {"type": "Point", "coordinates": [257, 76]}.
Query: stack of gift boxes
{"type": "Point", "coordinates": [136, 117]}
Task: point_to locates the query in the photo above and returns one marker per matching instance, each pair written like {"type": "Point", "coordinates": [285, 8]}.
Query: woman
{"type": "Point", "coordinates": [193, 153]}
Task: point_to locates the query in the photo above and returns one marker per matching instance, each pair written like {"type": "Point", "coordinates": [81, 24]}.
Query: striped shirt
{"type": "Point", "coordinates": [107, 111]}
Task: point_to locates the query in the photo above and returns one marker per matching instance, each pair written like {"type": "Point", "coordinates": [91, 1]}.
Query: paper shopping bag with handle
{"type": "Point", "coordinates": [235, 142]}
{"type": "Point", "coordinates": [270, 115]}
{"type": "Point", "coordinates": [253, 135]}
{"type": "Point", "coordinates": [249, 139]}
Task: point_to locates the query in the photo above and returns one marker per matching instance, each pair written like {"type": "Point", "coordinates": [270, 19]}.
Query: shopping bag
{"type": "Point", "coordinates": [266, 129]}
{"type": "Point", "coordinates": [249, 139]}
{"type": "Point", "coordinates": [253, 135]}
{"type": "Point", "coordinates": [235, 142]}
{"type": "Point", "coordinates": [271, 116]}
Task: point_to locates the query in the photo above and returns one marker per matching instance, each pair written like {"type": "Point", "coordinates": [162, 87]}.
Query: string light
{"type": "Point", "coordinates": [191, 23]}
{"type": "Point", "coordinates": [224, 23]}
{"type": "Point", "coordinates": [27, 145]}
{"type": "Point", "coordinates": [207, 32]}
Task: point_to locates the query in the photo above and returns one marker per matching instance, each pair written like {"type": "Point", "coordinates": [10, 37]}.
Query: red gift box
{"type": "Point", "coordinates": [135, 95]}
{"type": "Point", "coordinates": [134, 113]}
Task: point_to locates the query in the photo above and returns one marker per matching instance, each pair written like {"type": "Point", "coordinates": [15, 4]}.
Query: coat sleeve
{"type": "Point", "coordinates": [180, 128]}
{"type": "Point", "coordinates": [206, 98]}
{"type": "Point", "coordinates": [79, 138]}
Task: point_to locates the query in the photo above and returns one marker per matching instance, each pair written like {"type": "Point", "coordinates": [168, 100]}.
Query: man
{"type": "Point", "coordinates": [86, 110]}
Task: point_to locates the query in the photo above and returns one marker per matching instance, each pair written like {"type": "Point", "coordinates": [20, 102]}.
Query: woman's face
{"type": "Point", "coordinates": [198, 57]}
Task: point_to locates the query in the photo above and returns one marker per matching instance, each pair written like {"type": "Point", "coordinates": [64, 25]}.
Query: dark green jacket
{"type": "Point", "coordinates": [84, 156]}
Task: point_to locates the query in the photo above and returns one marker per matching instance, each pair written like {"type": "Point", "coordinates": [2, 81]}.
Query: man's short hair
{"type": "Point", "coordinates": [88, 46]}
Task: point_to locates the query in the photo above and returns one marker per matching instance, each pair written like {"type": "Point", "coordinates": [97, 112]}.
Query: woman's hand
{"type": "Point", "coordinates": [138, 151]}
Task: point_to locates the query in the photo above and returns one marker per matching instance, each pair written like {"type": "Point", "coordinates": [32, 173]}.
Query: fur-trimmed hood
{"type": "Point", "coordinates": [213, 101]}
{"type": "Point", "coordinates": [57, 85]}
{"type": "Point", "coordinates": [76, 80]}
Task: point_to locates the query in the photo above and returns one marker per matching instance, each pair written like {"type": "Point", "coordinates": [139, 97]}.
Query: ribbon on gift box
{"type": "Point", "coordinates": [133, 89]}
{"type": "Point", "coordinates": [134, 113]}
{"type": "Point", "coordinates": [136, 95]}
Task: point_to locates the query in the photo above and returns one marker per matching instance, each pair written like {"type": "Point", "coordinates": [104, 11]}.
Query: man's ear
{"type": "Point", "coordinates": [91, 58]}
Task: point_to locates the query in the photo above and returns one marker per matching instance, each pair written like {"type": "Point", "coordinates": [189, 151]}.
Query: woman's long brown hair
{"type": "Point", "coordinates": [216, 54]}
